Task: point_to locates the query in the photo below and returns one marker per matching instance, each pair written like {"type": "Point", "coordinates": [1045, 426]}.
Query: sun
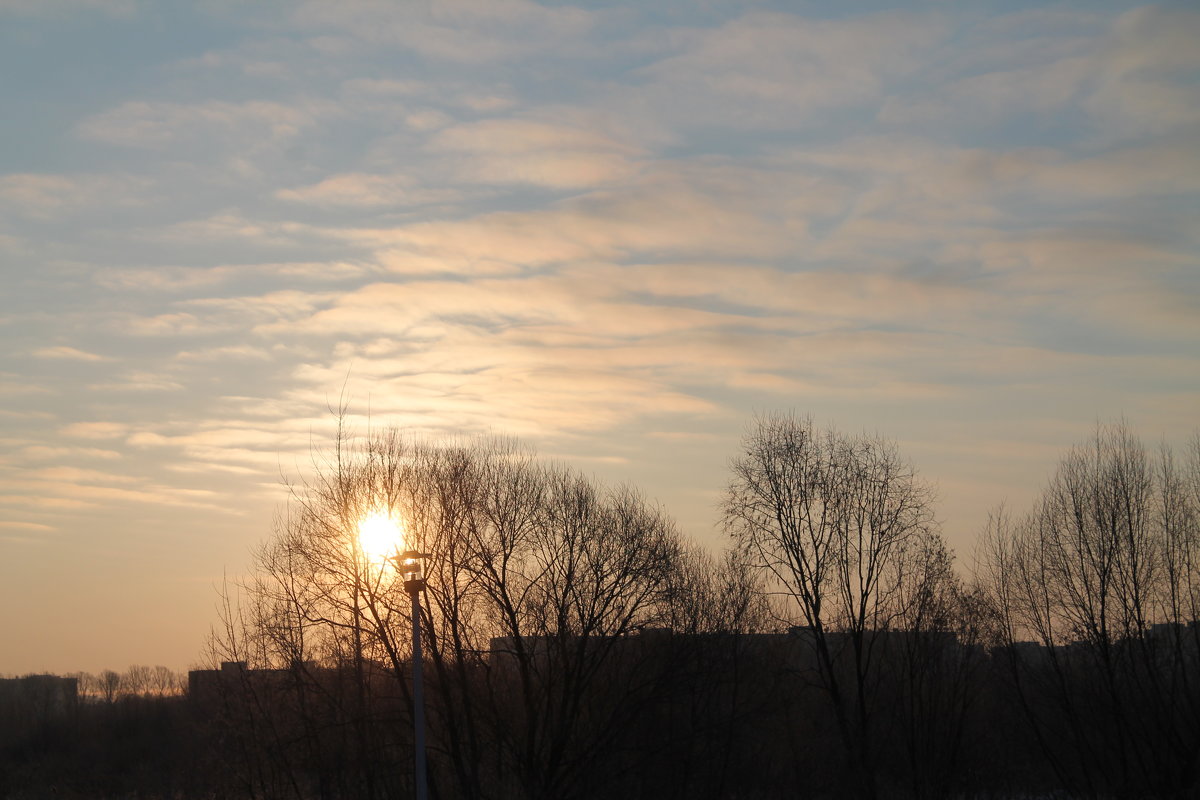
{"type": "Point", "coordinates": [380, 537]}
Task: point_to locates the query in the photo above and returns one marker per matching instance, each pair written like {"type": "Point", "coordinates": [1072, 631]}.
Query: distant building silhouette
{"type": "Point", "coordinates": [45, 696]}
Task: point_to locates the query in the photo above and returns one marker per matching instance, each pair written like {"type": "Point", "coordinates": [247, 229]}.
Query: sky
{"type": "Point", "coordinates": [615, 230]}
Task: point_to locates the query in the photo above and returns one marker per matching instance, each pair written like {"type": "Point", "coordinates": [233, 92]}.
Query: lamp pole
{"type": "Point", "coordinates": [412, 568]}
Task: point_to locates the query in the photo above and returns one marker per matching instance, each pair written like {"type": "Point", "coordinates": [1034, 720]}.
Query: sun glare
{"type": "Point", "coordinates": [380, 537]}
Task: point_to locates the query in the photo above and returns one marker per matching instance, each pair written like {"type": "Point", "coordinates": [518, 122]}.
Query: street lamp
{"type": "Point", "coordinates": [411, 566]}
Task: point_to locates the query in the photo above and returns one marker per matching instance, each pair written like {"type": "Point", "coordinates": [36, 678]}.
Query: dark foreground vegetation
{"type": "Point", "coordinates": [577, 647]}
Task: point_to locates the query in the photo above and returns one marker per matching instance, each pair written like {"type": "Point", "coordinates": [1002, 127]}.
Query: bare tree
{"type": "Point", "coordinates": [936, 672]}
{"type": "Point", "coordinates": [1102, 576]}
{"type": "Point", "coordinates": [539, 583]}
{"type": "Point", "coordinates": [136, 680]}
{"type": "Point", "coordinates": [164, 681]}
{"type": "Point", "coordinates": [109, 685]}
{"type": "Point", "coordinates": [843, 529]}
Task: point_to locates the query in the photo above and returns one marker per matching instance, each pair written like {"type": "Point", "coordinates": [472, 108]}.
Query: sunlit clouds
{"type": "Point", "coordinates": [614, 230]}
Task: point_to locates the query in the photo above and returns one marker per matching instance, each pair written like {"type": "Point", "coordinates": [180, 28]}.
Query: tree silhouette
{"type": "Point", "coordinates": [844, 532]}
{"type": "Point", "coordinates": [1103, 573]}
{"type": "Point", "coordinates": [539, 583]}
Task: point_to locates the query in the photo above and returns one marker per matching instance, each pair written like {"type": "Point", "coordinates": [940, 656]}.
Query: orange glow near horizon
{"type": "Point", "coordinates": [380, 536]}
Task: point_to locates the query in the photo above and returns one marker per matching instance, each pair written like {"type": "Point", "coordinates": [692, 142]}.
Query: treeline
{"type": "Point", "coordinates": [111, 735]}
{"type": "Point", "coordinates": [576, 646]}
{"type": "Point", "coordinates": [138, 680]}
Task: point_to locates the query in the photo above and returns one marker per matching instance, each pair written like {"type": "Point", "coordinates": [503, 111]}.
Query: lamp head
{"type": "Point", "coordinates": [411, 566]}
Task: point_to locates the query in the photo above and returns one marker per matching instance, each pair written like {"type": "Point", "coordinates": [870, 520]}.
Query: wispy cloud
{"type": "Point", "coordinates": [45, 196]}
{"type": "Point", "coordinates": [95, 430]}
{"type": "Point", "coordinates": [181, 280]}
{"type": "Point", "coordinates": [524, 151]}
{"type": "Point", "coordinates": [453, 30]}
{"type": "Point", "coordinates": [58, 8]}
{"type": "Point", "coordinates": [9, 386]}
{"type": "Point", "coordinates": [780, 70]}
{"type": "Point", "coordinates": [137, 382]}
{"type": "Point", "coordinates": [366, 191]}
{"type": "Point", "coordinates": [68, 455]}
{"type": "Point", "coordinates": [68, 353]}
{"type": "Point", "coordinates": [159, 124]}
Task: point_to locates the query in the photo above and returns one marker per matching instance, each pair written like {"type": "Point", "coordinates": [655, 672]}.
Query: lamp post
{"type": "Point", "coordinates": [412, 570]}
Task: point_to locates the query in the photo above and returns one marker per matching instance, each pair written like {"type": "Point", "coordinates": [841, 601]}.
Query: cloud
{"type": "Point", "coordinates": [49, 503]}
{"type": "Point", "coordinates": [1135, 290]}
{"type": "Point", "coordinates": [58, 493]}
{"type": "Point", "coordinates": [215, 446]}
{"type": "Point", "coordinates": [215, 437]}
{"type": "Point", "coordinates": [530, 151]}
{"type": "Point", "coordinates": [78, 475]}
{"type": "Point", "coordinates": [20, 386]}
{"type": "Point", "coordinates": [25, 414]}
{"type": "Point", "coordinates": [427, 119]}
{"type": "Point", "coordinates": [1166, 168]}
{"type": "Point", "coordinates": [68, 353]}
{"type": "Point", "coordinates": [231, 229]}
{"type": "Point", "coordinates": [218, 467]}
{"type": "Point", "coordinates": [171, 324]}
{"type": "Point", "coordinates": [143, 124]}
{"type": "Point", "coordinates": [387, 96]}
{"type": "Point", "coordinates": [43, 196]}
{"type": "Point", "coordinates": [552, 353]}
{"type": "Point", "coordinates": [59, 8]}
{"type": "Point", "coordinates": [710, 211]}
{"type": "Point", "coordinates": [1032, 62]}
{"type": "Point", "coordinates": [996, 95]}
{"type": "Point", "coordinates": [470, 31]}
{"type": "Point", "coordinates": [682, 436]}
{"type": "Point", "coordinates": [947, 213]}
{"type": "Point", "coordinates": [778, 70]}
{"type": "Point", "coordinates": [237, 352]}
{"type": "Point", "coordinates": [95, 430]}
{"type": "Point", "coordinates": [361, 190]}
{"type": "Point", "coordinates": [1127, 77]}
{"type": "Point", "coordinates": [520, 399]}
{"type": "Point", "coordinates": [189, 279]}
{"type": "Point", "coordinates": [389, 88]}
{"type": "Point", "coordinates": [138, 382]}
{"type": "Point", "coordinates": [26, 526]}
{"type": "Point", "coordinates": [285, 304]}
{"type": "Point", "coordinates": [523, 135]}
{"type": "Point", "coordinates": [203, 316]}
{"type": "Point", "coordinates": [50, 452]}
{"type": "Point", "coordinates": [571, 303]}
{"type": "Point", "coordinates": [1146, 74]}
